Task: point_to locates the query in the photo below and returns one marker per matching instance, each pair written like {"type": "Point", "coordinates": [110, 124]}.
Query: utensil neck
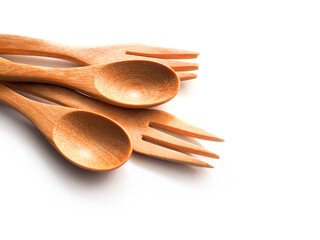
{"type": "Point", "coordinates": [18, 72]}
{"type": "Point", "coordinates": [25, 106]}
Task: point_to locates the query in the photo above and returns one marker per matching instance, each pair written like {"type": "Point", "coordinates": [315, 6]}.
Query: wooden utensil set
{"type": "Point", "coordinates": [98, 131]}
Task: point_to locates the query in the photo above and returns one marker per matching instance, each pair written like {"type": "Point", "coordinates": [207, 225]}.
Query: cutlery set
{"type": "Point", "coordinates": [101, 114]}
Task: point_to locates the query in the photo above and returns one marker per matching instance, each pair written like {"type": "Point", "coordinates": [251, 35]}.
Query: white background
{"type": "Point", "coordinates": [257, 88]}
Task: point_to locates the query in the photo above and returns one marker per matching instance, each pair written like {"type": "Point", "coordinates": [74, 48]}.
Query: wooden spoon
{"type": "Point", "coordinates": [131, 84]}
{"type": "Point", "coordinates": [86, 139]}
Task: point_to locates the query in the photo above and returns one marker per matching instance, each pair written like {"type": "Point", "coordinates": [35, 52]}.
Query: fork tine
{"type": "Point", "coordinates": [175, 65]}
{"type": "Point", "coordinates": [166, 121]}
{"type": "Point", "coordinates": [160, 52]}
{"type": "Point", "coordinates": [169, 141]}
{"type": "Point", "coordinates": [179, 65]}
{"type": "Point", "coordinates": [167, 154]}
{"type": "Point", "coordinates": [186, 75]}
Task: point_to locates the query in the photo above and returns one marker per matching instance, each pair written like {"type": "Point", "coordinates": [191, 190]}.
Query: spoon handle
{"type": "Point", "coordinates": [13, 44]}
{"type": "Point", "coordinates": [36, 112]}
{"type": "Point", "coordinates": [29, 108]}
{"type": "Point", "coordinates": [18, 72]}
{"type": "Point", "coordinates": [15, 100]}
{"type": "Point", "coordinates": [70, 98]}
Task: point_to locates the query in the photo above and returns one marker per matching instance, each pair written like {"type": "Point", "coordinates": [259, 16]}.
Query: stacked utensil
{"type": "Point", "coordinates": [102, 112]}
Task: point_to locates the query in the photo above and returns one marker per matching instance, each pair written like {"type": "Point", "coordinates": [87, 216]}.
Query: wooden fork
{"type": "Point", "coordinates": [12, 44]}
{"type": "Point", "coordinates": [141, 124]}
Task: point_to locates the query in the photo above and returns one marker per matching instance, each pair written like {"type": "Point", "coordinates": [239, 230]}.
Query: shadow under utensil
{"type": "Point", "coordinates": [65, 171]}
{"type": "Point", "coordinates": [182, 173]}
{"type": "Point", "coordinates": [187, 88]}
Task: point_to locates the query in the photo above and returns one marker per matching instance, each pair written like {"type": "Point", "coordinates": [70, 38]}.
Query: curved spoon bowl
{"type": "Point", "coordinates": [91, 141]}
{"type": "Point", "coordinates": [137, 83]}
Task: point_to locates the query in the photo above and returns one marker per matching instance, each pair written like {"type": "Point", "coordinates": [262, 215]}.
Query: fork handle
{"type": "Point", "coordinates": [14, 44]}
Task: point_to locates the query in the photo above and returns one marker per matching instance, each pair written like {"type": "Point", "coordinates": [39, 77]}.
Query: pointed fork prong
{"type": "Point", "coordinates": [171, 123]}
{"type": "Point", "coordinates": [183, 76]}
{"type": "Point", "coordinates": [167, 154]}
{"type": "Point", "coordinates": [175, 65]}
{"type": "Point", "coordinates": [166, 140]}
{"type": "Point", "coordinates": [160, 52]}
{"type": "Point", "coordinates": [179, 65]}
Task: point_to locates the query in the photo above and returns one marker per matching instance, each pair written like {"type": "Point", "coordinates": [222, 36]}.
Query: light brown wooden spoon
{"type": "Point", "coordinates": [131, 84]}
{"type": "Point", "coordinates": [12, 44]}
{"type": "Point", "coordinates": [86, 139]}
{"type": "Point", "coordinates": [142, 124]}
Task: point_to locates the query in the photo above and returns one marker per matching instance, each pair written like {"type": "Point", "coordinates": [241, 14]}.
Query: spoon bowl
{"type": "Point", "coordinates": [91, 141]}
{"type": "Point", "coordinates": [137, 83]}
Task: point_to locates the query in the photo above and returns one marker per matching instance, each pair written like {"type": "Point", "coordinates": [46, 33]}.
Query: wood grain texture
{"type": "Point", "coordinates": [88, 140]}
{"type": "Point", "coordinates": [141, 124]}
{"type": "Point", "coordinates": [12, 44]}
{"type": "Point", "coordinates": [131, 84]}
